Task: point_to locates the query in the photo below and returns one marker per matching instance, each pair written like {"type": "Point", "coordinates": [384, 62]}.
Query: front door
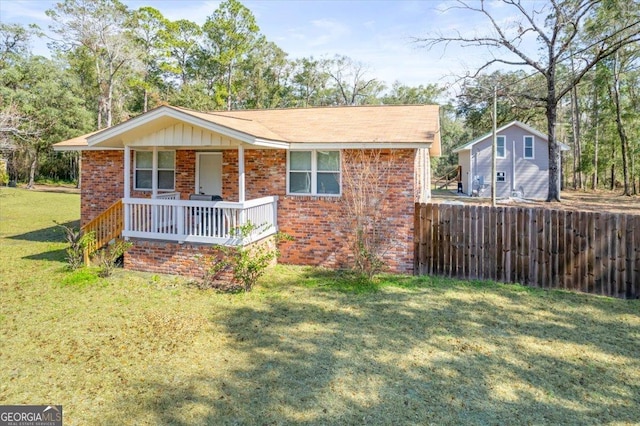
{"type": "Point", "coordinates": [209, 173]}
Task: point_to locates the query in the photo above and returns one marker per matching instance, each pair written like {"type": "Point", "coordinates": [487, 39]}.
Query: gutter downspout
{"type": "Point", "coordinates": [513, 167]}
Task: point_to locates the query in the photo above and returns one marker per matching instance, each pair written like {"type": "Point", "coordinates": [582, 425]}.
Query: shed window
{"type": "Point", "coordinates": [165, 170]}
{"type": "Point", "coordinates": [500, 143]}
{"type": "Point", "coordinates": [528, 147]}
{"type": "Point", "coordinates": [314, 172]}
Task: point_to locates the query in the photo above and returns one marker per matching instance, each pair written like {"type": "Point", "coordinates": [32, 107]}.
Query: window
{"type": "Point", "coordinates": [501, 177]}
{"type": "Point", "coordinates": [143, 179]}
{"type": "Point", "coordinates": [528, 147]}
{"type": "Point", "coordinates": [500, 143]}
{"type": "Point", "coordinates": [314, 172]}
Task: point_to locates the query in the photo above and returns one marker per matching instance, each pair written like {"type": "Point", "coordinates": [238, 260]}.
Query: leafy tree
{"type": "Point", "coordinates": [14, 43]}
{"type": "Point", "coordinates": [309, 82]}
{"type": "Point", "coordinates": [265, 77]}
{"type": "Point", "coordinates": [230, 34]}
{"type": "Point", "coordinates": [475, 102]}
{"type": "Point", "coordinates": [182, 38]}
{"type": "Point", "coordinates": [401, 94]}
{"type": "Point", "coordinates": [149, 33]}
{"type": "Point", "coordinates": [42, 95]}
{"type": "Point", "coordinates": [98, 28]}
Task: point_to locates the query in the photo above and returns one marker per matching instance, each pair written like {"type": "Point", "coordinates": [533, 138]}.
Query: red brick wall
{"type": "Point", "coordinates": [185, 173]}
{"type": "Point", "coordinates": [167, 257]}
{"type": "Point", "coordinates": [318, 224]}
{"type": "Point", "coordinates": [230, 175]}
{"type": "Point", "coordinates": [102, 182]}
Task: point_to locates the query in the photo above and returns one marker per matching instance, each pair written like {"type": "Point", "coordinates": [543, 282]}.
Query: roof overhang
{"type": "Point", "coordinates": [359, 145]}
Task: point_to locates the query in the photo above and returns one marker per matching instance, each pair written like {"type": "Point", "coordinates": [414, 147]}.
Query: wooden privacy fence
{"type": "Point", "coordinates": [592, 252]}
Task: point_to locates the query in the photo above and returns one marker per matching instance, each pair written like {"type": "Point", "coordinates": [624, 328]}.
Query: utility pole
{"type": "Point", "coordinates": [494, 146]}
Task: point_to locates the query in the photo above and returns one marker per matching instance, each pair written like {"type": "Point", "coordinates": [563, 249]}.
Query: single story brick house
{"type": "Point", "coordinates": [177, 182]}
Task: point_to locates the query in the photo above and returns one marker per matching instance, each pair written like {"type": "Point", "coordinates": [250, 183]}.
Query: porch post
{"type": "Point", "coordinates": [127, 171]}
{"type": "Point", "coordinates": [154, 174]}
{"type": "Point", "coordinates": [241, 195]}
{"type": "Point", "coordinates": [127, 186]}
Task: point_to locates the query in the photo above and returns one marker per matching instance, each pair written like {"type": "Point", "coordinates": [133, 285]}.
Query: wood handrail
{"type": "Point", "coordinates": [447, 178]}
{"type": "Point", "coordinates": [106, 226]}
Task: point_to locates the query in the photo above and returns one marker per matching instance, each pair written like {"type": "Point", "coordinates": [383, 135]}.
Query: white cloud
{"type": "Point", "coordinates": [327, 32]}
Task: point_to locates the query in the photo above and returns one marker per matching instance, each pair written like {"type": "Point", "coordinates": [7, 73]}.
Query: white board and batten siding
{"type": "Point", "coordinates": [182, 134]}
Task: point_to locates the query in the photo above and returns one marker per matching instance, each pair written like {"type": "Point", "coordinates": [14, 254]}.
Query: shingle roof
{"type": "Point", "coordinates": [361, 124]}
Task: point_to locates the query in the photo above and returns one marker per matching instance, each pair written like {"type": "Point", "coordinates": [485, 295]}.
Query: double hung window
{"type": "Point", "coordinates": [314, 172]}
{"type": "Point", "coordinates": [528, 147]}
{"type": "Point", "coordinates": [500, 150]}
{"type": "Point", "coordinates": [144, 170]}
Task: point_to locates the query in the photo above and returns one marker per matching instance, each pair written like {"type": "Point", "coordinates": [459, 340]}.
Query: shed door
{"type": "Point", "coordinates": [209, 173]}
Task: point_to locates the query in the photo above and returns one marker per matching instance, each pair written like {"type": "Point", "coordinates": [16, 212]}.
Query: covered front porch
{"type": "Point", "coordinates": [201, 215]}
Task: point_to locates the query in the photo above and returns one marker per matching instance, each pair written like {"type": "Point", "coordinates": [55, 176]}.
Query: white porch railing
{"type": "Point", "coordinates": [212, 222]}
{"type": "Point", "coordinates": [167, 196]}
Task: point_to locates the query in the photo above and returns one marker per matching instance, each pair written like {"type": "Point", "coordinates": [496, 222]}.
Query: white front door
{"type": "Point", "coordinates": [209, 173]}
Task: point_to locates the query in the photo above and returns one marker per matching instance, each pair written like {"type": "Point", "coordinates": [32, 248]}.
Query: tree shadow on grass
{"type": "Point", "coordinates": [51, 256]}
{"type": "Point", "coordinates": [386, 358]}
{"type": "Point", "coordinates": [52, 234]}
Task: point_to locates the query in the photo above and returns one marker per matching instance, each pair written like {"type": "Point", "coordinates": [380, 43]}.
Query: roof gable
{"type": "Point", "coordinates": [527, 129]}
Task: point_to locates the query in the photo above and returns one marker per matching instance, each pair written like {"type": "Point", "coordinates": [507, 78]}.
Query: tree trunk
{"type": "Point", "coordinates": [229, 71]}
{"type": "Point", "coordinates": [624, 142]}
{"type": "Point", "coordinates": [594, 181]}
{"type": "Point", "coordinates": [109, 102]}
{"type": "Point", "coordinates": [554, 152]}
{"type": "Point", "coordinates": [32, 171]}
{"type": "Point", "coordinates": [578, 181]}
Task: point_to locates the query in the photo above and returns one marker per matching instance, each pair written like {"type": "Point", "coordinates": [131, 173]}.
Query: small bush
{"type": "Point", "coordinates": [78, 241]}
{"type": "Point", "coordinates": [107, 258]}
{"type": "Point", "coordinates": [246, 263]}
{"type": "Point", "coordinates": [4, 177]}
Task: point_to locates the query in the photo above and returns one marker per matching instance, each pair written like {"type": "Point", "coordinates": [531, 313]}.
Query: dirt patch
{"type": "Point", "coordinates": [602, 201]}
{"type": "Point", "coordinates": [65, 189]}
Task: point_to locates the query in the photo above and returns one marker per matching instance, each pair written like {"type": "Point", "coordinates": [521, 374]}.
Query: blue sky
{"type": "Point", "coordinates": [375, 32]}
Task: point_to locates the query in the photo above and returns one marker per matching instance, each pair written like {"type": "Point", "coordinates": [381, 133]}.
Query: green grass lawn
{"type": "Point", "coordinates": [307, 346]}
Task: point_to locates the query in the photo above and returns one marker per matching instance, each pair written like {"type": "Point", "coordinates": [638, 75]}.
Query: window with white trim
{"type": "Point", "coordinates": [315, 172]}
{"type": "Point", "coordinates": [528, 147]}
{"type": "Point", "coordinates": [501, 176]}
{"type": "Point", "coordinates": [165, 170]}
{"type": "Point", "coordinates": [500, 144]}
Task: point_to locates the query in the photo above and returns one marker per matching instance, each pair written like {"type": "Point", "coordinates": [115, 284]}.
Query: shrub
{"type": "Point", "coordinates": [4, 177]}
{"type": "Point", "coordinates": [246, 263]}
{"type": "Point", "coordinates": [107, 258]}
{"type": "Point", "coordinates": [78, 241]}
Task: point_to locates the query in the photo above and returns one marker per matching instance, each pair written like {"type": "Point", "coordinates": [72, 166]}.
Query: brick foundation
{"type": "Point", "coordinates": [167, 257]}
